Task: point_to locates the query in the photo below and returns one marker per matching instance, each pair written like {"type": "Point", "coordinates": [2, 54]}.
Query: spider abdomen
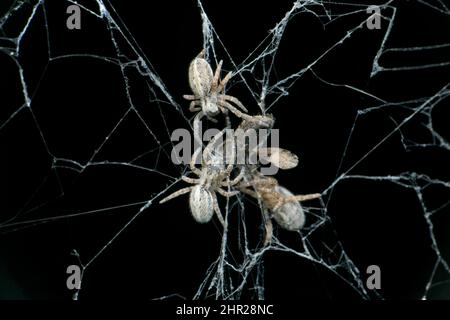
{"type": "Point", "coordinates": [201, 204]}
{"type": "Point", "coordinates": [290, 215]}
{"type": "Point", "coordinates": [200, 77]}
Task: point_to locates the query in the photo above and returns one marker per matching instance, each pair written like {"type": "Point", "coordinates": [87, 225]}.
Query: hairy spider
{"type": "Point", "coordinates": [283, 205]}
{"type": "Point", "coordinates": [208, 90]}
{"type": "Point", "coordinates": [213, 176]}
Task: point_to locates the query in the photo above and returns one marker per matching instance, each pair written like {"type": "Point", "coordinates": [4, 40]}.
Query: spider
{"type": "Point", "coordinates": [208, 94]}
{"type": "Point", "coordinates": [284, 206]}
{"type": "Point", "coordinates": [212, 177]}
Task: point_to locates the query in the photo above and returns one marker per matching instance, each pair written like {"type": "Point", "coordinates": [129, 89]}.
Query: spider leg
{"type": "Point", "coordinates": [176, 194]}
{"type": "Point", "coordinates": [249, 192]}
{"type": "Point", "coordinates": [215, 81]}
{"type": "Point", "coordinates": [298, 198]}
{"type": "Point", "coordinates": [234, 100]}
{"type": "Point", "coordinates": [269, 229]}
{"type": "Point", "coordinates": [211, 119]}
{"type": "Point", "coordinates": [227, 194]}
{"type": "Point", "coordinates": [266, 182]}
{"type": "Point", "coordinates": [230, 159]}
{"type": "Point", "coordinates": [230, 107]}
{"type": "Point", "coordinates": [190, 97]}
{"type": "Point", "coordinates": [235, 181]}
{"type": "Point", "coordinates": [301, 198]}
{"type": "Point", "coordinates": [246, 184]}
{"type": "Point", "coordinates": [224, 82]}
{"type": "Point", "coordinates": [192, 107]}
{"type": "Point", "coordinates": [194, 169]}
{"type": "Point", "coordinates": [190, 180]}
{"type": "Point", "coordinates": [217, 210]}
{"type": "Point", "coordinates": [201, 54]}
{"type": "Point", "coordinates": [238, 178]}
{"type": "Point", "coordinates": [226, 115]}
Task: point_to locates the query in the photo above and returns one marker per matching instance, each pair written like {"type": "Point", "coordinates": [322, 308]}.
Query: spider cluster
{"type": "Point", "coordinates": [218, 172]}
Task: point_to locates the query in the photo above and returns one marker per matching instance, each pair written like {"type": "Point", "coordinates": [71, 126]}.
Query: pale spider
{"type": "Point", "coordinates": [208, 90]}
{"type": "Point", "coordinates": [282, 204]}
{"type": "Point", "coordinates": [213, 176]}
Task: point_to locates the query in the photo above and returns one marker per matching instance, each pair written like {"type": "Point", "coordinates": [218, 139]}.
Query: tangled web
{"type": "Point", "coordinates": [86, 123]}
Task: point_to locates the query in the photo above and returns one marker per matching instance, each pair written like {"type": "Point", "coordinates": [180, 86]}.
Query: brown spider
{"type": "Point", "coordinates": [284, 206]}
{"type": "Point", "coordinates": [208, 90]}
{"type": "Point", "coordinates": [212, 177]}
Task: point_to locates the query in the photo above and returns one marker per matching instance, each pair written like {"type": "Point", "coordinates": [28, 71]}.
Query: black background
{"type": "Point", "coordinates": [77, 101]}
